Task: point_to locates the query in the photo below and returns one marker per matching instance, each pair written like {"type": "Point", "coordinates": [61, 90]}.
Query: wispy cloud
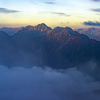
{"type": "Point", "coordinates": [33, 3]}
{"type": "Point", "coordinates": [96, 0]}
{"type": "Point", "coordinates": [90, 23]}
{"type": "Point", "coordinates": [52, 3]}
{"type": "Point", "coordinates": [5, 11]}
{"type": "Point", "coordinates": [96, 9]}
{"type": "Point", "coordinates": [55, 13]}
{"type": "Point", "coordinates": [64, 23]}
{"type": "Point", "coordinates": [60, 13]}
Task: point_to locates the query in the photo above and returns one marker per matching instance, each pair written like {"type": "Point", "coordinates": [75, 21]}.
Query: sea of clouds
{"type": "Point", "coordinates": [38, 83]}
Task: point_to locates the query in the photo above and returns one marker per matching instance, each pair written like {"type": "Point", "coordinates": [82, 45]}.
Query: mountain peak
{"type": "Point", "coordinates": [39, 27]}
{"type": "Point", "coordinates": [42, 27]}
{"type": "Point", "coordinates": [59, 29]}
{"type": "Point", "coordinates": [43, 24]}
{"type": "Point", "coordinates": [68, 28]}
{"type": "Point", "coordinates": [67, 32]}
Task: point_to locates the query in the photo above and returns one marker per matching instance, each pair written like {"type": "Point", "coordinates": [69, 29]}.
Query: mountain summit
{"type": "Point", "coordinates": [39, 27]}
{"type": "Point", "coordinates": [42, 27]}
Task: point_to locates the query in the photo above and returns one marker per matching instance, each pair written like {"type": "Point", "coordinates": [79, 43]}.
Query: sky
{"type": "Point", "coordinates": [71, 13]}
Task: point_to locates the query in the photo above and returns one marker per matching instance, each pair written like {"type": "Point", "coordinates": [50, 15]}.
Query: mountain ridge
{"type": "Point", "coordinates": [56, 47]}
{"type": "Point", "coordinates": [59, 48]}
{"type": "Point", "coordinates": [93, 33]}
{"type": "Point", "coordinates": [39, 27]}
{"type": "Point", "coordinates": [10, 31]}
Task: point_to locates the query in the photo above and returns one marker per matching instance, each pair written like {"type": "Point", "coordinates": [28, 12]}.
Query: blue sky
{"type": "Point", "coordinates": [72, 13]}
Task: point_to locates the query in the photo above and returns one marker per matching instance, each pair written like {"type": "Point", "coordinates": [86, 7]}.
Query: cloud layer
{"type": "Point", "coordinates": [52, 3]}
{"type": "Point", "coordinates": [5, 11]}
{"type": "Point", "coordinates": [46, 84]}
{"type": "Point", "coordinates": [59, 13]}
{"type": "Point", "coordinates": [55, 13]}
{"type": "Point", "coordinates": [96, 10]}
{"type": "Point", "coordinates": [96, 0]}
{"type": "Point", "coordinates": [90, 23]}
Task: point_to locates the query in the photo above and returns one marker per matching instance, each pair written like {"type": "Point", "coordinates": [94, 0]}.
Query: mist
{"type": "Point", "coordinates": [36, 83]}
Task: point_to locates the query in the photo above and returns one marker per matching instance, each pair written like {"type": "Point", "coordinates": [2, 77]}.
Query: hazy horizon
{"type": "Point", "coordinates": [74, 14]}
{"type": "Point", "coordinates": [48, 26]}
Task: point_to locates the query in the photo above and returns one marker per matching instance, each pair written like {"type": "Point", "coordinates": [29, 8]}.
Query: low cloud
{"type": "Point", "coordinates": [96, 10]}
{"type": "Point", "coordinates": [19, 83]}
{"type": "Point", "coordinates": [90, 23]}
{"type": "Point", "coordinates": [5, 11]}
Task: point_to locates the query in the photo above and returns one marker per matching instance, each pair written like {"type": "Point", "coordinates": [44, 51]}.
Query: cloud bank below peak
{"type": "Point", "coordinates": [6, 11]}
{"type": "Point", "coordinates": [46, 84]}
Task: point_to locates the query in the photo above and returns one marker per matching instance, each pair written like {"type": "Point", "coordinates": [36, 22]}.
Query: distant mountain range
{"type": "Point", "coordinates": [93, 33]}
{"type": "Point", "coordinates": [10, 31]}
{"type": "Point", "coordinates": [42, 46]}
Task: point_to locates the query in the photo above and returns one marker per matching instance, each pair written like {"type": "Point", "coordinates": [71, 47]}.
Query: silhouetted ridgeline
{"type": "Point", "coordinates": [42, 46]}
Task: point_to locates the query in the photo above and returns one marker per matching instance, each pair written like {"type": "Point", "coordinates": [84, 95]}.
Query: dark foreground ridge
{"type": "Point", "coordinates": [42, 46]}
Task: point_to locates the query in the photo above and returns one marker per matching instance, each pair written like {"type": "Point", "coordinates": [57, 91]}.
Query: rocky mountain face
{"type": "Point", "coordinates": [42, 46]}
{"type": "Point", "coordinates": [93, 33]}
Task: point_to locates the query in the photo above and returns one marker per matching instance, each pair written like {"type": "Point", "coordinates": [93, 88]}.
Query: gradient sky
{"type": "Point", "coordinates": [72, 13]}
